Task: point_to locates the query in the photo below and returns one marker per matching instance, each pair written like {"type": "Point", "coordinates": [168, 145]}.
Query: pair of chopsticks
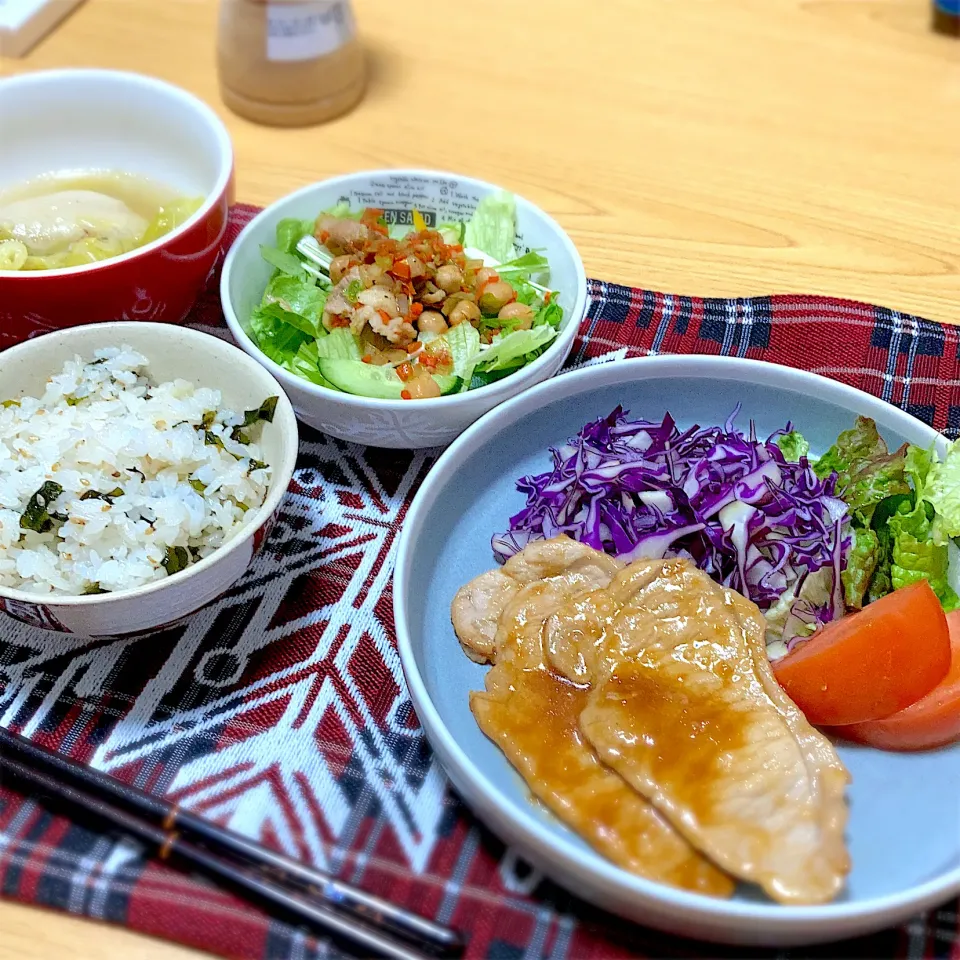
{"type": "Point", "coordinates": [304, 894]}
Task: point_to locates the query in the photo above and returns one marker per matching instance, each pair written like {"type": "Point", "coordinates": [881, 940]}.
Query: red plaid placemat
{"type": "Point", "coordinates": [280, 710]}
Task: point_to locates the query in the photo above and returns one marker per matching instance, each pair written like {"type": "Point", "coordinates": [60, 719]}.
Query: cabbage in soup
{"type": "Point", "coordinates": [76, 218]}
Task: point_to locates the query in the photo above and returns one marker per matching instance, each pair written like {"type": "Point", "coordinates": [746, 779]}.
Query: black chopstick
{"type": "Point", "coordinates": [172, 829]}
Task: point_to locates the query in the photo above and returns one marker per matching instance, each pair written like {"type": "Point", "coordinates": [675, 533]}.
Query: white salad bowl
{"type": "Point", "coordinates": [447, 197]}
{"type": "Point", "coordinates": [174, 353]}
{"type": "Point", "coordinates": [903, 807]}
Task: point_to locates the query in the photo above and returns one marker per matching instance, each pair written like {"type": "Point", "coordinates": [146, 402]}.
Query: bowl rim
{"type": "Point", "coordinates": [283, 470]}
{"type": "Point", "coordinates": [525, 827]}
{"type": "Point", "coordinates": [188, 101]}
{"type": "Point", "coordinates": [492, 391]}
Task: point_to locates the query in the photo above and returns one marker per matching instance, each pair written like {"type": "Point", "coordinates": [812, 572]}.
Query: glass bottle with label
{"type": "Point", "coordinates": [291, 63]}
{"type": "Point", "coordinates": [946, 17]}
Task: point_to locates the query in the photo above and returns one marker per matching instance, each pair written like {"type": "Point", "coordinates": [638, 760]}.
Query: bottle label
{"type": "Point", "coordinates": [949, 6]}
{"type": "Point", "coordinates": [307, 30]}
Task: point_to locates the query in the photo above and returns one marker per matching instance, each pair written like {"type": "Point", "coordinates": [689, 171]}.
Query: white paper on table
{"type": "Point", "coordinates": [25, 22]}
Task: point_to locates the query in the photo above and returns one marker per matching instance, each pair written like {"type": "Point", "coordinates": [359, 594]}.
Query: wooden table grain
{"type": "Point", "coordinates": [697, 146]}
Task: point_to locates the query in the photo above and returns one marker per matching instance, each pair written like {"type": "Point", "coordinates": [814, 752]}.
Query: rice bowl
{"type": "Point", "coordinates": [197, 425]}
{"type": "Point", "coordinates": [110, 480]}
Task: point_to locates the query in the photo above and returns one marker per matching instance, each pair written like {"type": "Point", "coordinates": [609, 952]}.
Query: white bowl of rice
{"type": "Point", "coordinates": [141, 468]}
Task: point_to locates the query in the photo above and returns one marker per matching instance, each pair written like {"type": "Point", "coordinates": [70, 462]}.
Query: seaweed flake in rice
{"type": "Point", "coordinates": [109, 480]}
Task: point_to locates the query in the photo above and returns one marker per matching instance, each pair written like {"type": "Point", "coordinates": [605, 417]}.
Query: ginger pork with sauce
{"type": "Point", "coordinates": [638, 704]}
{"type": "Point", "coordinates": [532, 714]}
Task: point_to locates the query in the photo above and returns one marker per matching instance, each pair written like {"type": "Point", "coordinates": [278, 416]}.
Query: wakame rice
{"type": "Point", "coordinates": [110, 480]}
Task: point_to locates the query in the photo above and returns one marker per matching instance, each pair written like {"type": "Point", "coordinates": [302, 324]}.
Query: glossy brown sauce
{"type": "Point", "coordinates": [533, 714]}
{"type": "Point", "coordinates": [678, 741]}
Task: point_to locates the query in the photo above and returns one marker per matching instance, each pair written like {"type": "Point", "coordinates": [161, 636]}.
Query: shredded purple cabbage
{"type": "Point", "coordinates": [733, 504]}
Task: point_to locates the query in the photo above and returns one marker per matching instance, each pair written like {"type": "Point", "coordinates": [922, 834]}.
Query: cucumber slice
{"type": "Point", "coordinates": [367, 380]}
{"type": "Point", "coordinates": [448, 383]}
{"type": "Point", "coordinates": [362, 379]}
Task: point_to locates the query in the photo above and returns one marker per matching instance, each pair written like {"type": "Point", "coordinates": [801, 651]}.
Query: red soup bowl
{"type": "Point", "coordinates": [79, 121]}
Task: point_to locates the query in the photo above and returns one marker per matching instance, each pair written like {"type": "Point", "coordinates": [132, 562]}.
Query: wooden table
{"type": "Point", "coordinates": [692, 146]}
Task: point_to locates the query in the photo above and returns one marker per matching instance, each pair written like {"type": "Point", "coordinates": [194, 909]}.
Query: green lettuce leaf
{"type": "Point", "coordinates": [526, 267]}
{"type": "Point", "coordinates": [278, 333]}
{"type": "Point", "coordinates": [854, 447]}
{"type": "Point", "coordinates": [866, 471]}
{"type": "Point", "coordinates": [793, 446]}
{"type": "Point", "coordinates": [527, 293]}
{"type": "Point", "coordinates": [289, 232]}
{"type": "Point", "coordinates": [881, 583]}
{"type": "Point", "coordinates": [306, 364]}
{"type": "Point", "coordinates": [514, 349]}
{"type": "Point", "coordinates": [550, 313]}
{"type": "Point", "coordinates": [283, 256]}
{"type": "Point", "coordinates": [302, 298]}
{"type": "Point", "coordinates": [918, 554]}
{"type": "Point", "coordinates": [286, 263]}
{"type": "Point", "coordinates": [942, 489]}
{"type": "Point", "coordinates": [918, 464]}
{"type": "Point", "coordinates": [339, 344]}
{"type": "Point", "coordinates": [881, 478]}
{"type": "Point", "coordinates": [483, 378]}
{"type": "Point", "coordinates": [862, 560]}
{"type": "Point", "coordinates": [463, 342]}
{"type": "Point", "coordinates": [452, 232]}
{"type": "Point", "coordinates": [493, 226]}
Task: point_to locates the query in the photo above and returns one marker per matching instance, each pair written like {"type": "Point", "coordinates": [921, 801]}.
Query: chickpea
{"type": "Point", "coordinates": [422, 387]}
{"type": "Point", "coordinates": [519, 313]}
{"type": "Point", "coordinates": [496, 296]}
{"type": "Point", "coordinates": [430, 321]}
{"type": "Point", "coordinates": [447, 306]}
{"type": "Point", "coordinates": [449, 278]}
{"type": "Point", "coordinates": [483, 275]}
{"type": "Point", "coordinates": [466, 311]}
{"type": "Point", "coordinates": [338, 267]}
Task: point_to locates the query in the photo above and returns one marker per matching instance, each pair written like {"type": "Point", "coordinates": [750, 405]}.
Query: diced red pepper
{"type": "Point", "coordinates": [405, 371]}
{"type": "Point", "coordinates": [406, 395]}
{"type": "Point", "coordinates": [416, 309]}
{"type": "Point", "coordinates": [372, 219]}
{"type": "Point", "coordinates": [401, 269]}
{"type": "Point", "coordinates": [493, 278]}
{"type": "Point", "coordinates": [367, 358]}
{"type": "Point", "coordinates": [384, 316]}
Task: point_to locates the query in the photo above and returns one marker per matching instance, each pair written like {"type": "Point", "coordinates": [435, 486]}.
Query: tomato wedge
{"type": "Point", "coordinates": [933, 721]}
{"type": "Point", "coordinates": [872, 663]}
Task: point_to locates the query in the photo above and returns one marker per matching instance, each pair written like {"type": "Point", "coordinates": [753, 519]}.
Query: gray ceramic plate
{"type": "Point", "coordinates": [904, 830]}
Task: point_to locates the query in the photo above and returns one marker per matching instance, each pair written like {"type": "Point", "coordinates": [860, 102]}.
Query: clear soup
{"type": "Point", "coordinates": [74, 218]}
